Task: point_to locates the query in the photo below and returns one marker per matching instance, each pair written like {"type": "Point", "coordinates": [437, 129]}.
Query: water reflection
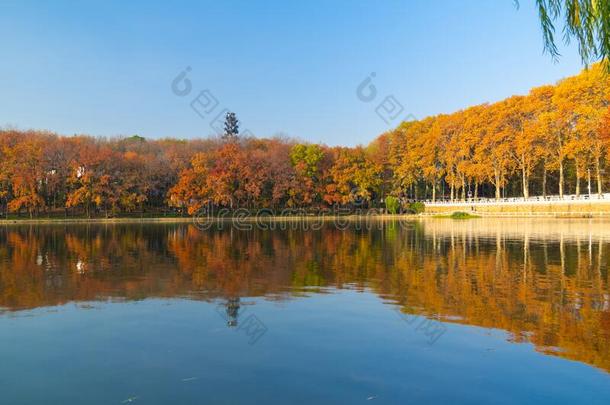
{"type": "Point", "coordinates": [232, 310]}
{"type": "Point", "coordinates": [543, 281]}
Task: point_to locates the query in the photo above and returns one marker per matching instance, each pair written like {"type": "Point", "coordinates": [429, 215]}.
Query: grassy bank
{"type": "Point", "coordinates": [457, 215]}
{"type": "Point", "coordinates": [169, 220]}
{"type": "Point", "coordinates": [128, 220]}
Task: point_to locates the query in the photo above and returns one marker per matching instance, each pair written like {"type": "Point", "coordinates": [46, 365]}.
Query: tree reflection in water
{"type": "Point", "coordinates": [543, 281]}
{"type": "Point", "coordinates": [232, 306]}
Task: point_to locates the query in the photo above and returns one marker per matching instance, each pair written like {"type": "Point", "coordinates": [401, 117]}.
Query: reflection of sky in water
{"type": "Point", "coordinates": [160, 313]}
{"type": "Point", "coordinates": [342, 347]}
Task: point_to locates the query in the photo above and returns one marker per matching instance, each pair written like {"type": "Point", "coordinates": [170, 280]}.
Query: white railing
{"type": "Point", "coordinates": [553, 199]}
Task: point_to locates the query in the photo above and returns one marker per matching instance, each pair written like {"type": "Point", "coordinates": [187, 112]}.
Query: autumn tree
{"type": "Point", "coordinates": [354, 178]}
{"type": "Point", "coordinates": [475, 128]}
{"type": "Point", "coordinates": [530, 149]}
{"type": "Point", "coordinates": [280, 178]}
{"type": "Point", "coordinates": [457, 153]}
{"type": "Point", "coordinates": [581, 102]}
{"type": "Point", "coordinates": [379, 152]}
{"type": "Point", "coordinates": [23, 165]}
{"type": "Point", "coordinates": [91, 182]}
{"type": "Point", "coordinates": [494, 149]}
{"type": "Point", "coordinates": [406, 170]}
{"type": "Point", "coordinates": [306, 159]}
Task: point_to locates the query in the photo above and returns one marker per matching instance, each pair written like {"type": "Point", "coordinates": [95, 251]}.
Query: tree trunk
{"type": "Point", "coordinates": [526, 191]}
{"type": "Point", "coordinates": [434, 191]}
{"type": "Point", "coordinates": [497, 177]}
{"type": "Point", "coordinates": [598, 174]}
{"type": "Point", "coordinates": [476, 190]}
{"type": "Point", "coordinates": [544, 174]}
{"type": "Point", "coordinates": [463, 189]}
{"type": "Point", "coordinates": [577, 178]}
{"type": "Point", "coordinates": [589, 181]}
{"type": "Point", "coordinates": [452, 192]}
{"type": "Point", "coordinates": [561, 179]}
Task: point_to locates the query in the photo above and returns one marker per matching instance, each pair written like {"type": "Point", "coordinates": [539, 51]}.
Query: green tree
{"type": "Point", "coordinates": [231, 130]}
{"type": "Point", "coordinates": [392, 204]}
{"type": "Point", "coordinates": [585, 21]}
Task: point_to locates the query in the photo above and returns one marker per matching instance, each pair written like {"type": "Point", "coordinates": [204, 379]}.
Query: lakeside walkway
{"type": "Point", "coordinates": [568, 205]}
{"type": "Point", "coordinates": [555, 199]}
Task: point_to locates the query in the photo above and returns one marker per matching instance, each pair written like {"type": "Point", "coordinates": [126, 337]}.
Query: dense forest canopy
{"type": "Point", "coordinates": [554, 140]}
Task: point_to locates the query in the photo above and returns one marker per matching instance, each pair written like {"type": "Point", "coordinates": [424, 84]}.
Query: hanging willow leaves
{"type": "Point", "coordinates": [585, 21]}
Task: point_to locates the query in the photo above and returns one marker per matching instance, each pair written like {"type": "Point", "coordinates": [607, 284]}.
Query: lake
{"type": "Point", "coordinates": [390, 312]}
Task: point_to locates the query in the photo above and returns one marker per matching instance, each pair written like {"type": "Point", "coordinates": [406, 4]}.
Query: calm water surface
{"type": "Point", "coordinates": [502, 311]}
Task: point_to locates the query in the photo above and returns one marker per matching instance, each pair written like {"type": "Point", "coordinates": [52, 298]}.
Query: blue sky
{"type": "Point", "coordinates": [106, 67]}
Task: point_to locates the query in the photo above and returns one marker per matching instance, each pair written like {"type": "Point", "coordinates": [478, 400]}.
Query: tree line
{"type": "Point", "coordinates": [554, 140]}
{"type": "Point", "coordinates": [551, 140]}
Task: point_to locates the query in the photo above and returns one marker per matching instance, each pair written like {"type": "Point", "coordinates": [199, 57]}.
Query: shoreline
{"type": "Point", "coordinates": [177, 220]}
{"type": "Point", "coordinates": [253, 219]}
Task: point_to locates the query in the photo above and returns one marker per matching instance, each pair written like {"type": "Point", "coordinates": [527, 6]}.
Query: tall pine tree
{"type": "Point", "coordinates": [231, 126]}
